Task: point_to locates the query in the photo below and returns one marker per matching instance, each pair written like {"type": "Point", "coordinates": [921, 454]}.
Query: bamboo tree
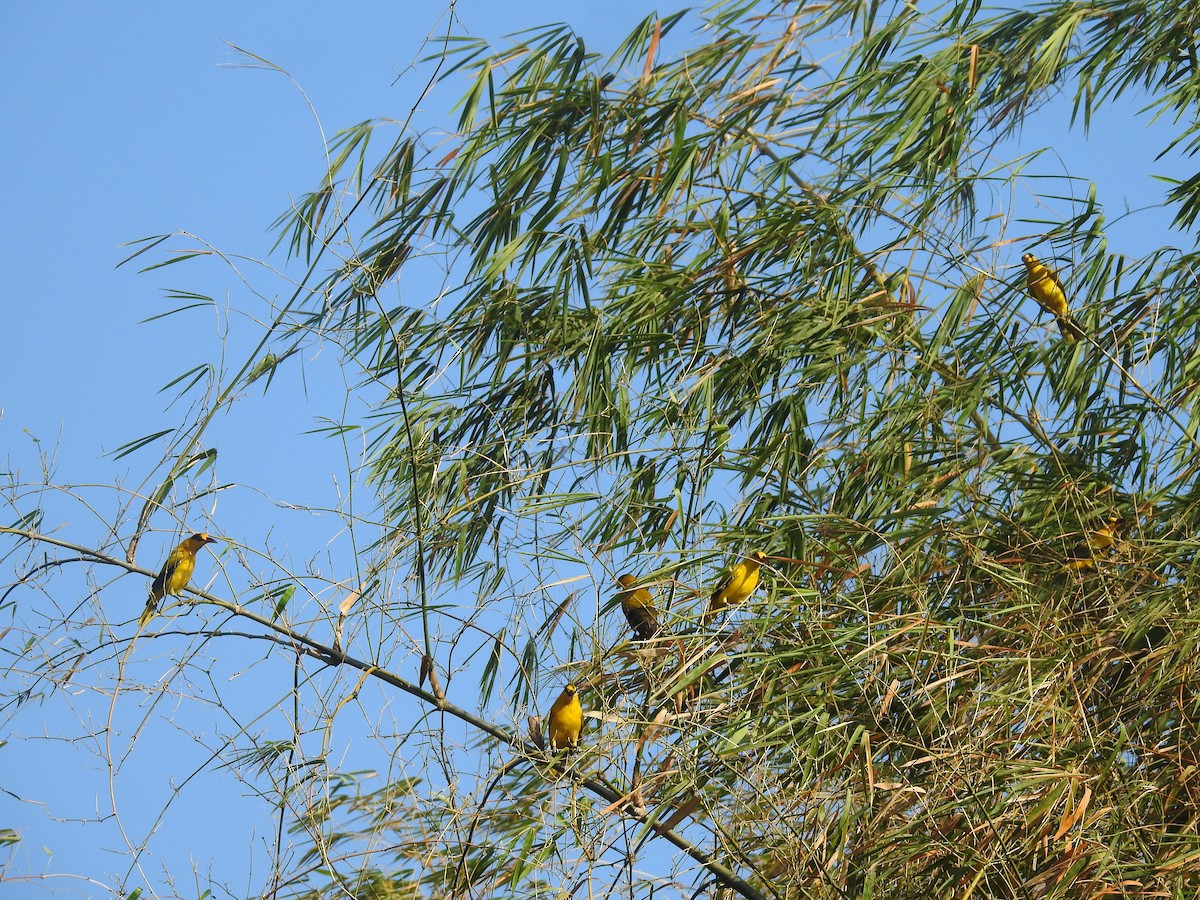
{"type": "Point", "coordinates": [750, 281]}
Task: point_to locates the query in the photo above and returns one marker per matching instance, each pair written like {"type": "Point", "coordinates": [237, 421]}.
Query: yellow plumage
{"type": "Point", "coordinates": [1046, 288]}
{"type": "Point", "coordinates": [175, 574]}
{"type": "Point", "coordinates": [1096, 543]}
{"type": "Point", "coordinates": [638, 606]}
{"type": "Point", "coordinates": [735, 587]}
{"type": "Point", "coordinates": [566, 719]}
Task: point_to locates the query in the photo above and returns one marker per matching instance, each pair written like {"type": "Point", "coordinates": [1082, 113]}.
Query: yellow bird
{"type": "Point", "coordinates": [1046, 288]}
{"type": "Point", "coordinates": [638, 606]}
{"type": "Point", "coordinates": [566, 719]}
{"type": "Point", "coordinates": [175, 574]}
{"type": "Point", "coordinates": [1097, 541]}
{"type": "Point", "coordinates": [736, 586]}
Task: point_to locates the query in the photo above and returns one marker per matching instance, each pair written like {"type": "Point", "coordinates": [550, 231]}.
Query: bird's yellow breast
{"type": "Point", "coordinates": [181, 573]}
{"type": "Point", "coordinates": [636, 599]}
{"type": "Point", "coordinates": [566, 720]}
{"type": "Point", "coordinates": [741, 584]}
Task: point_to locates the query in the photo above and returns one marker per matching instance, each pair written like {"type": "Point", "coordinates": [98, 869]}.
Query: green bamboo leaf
{"type": "Point", "coordinates": [30, 521]}
{"type": "Point", "coordinates": [146, 245]}
{"type": "Point", "coordinates": [281, 596]}
{"type": "Point", "coordinates": [181, 256]}
{"type": "Point", "coordinates": [199, 462]}
{"type": "Point", "coordinates": [192, 376]}
{"type": "Point", "coordinates": [138, 443]}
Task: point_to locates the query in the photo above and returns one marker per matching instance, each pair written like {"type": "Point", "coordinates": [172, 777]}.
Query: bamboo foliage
{"type": "Point", "coordinates": [751, 281]}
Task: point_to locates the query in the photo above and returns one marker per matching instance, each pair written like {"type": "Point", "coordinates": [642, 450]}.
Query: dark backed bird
{"type": "Point", "coordinates": [736, 586]}
{"type": "Point", "coordinates": [1097, 542]}
{"type": "Point", "coordinates": [175, 574]}
{"type": "Point", "coordinates": [638, 606]}
{"type": "Point", "coordinates": [1047, 289]}
{"type": "Point", "coordinates": [566, 719]}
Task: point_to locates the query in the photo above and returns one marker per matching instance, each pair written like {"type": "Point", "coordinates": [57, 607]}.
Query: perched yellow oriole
{"type": "Point", "coordinates": [1096, 542]}
{"type": "Point", "coordinates": [638, 606]}
{"type": "Point", "coordinates": [1046, 288]}
{"type": "Point", "coordinates": [736, 586]}
{"type": "Point", "coordinates": [175, 573]}
{"type": "Point", "coordinates": [566, 719]}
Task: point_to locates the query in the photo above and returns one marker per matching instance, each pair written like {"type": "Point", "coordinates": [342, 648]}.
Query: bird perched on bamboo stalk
{"type": "Point", "coordinates": [736, 586]}
{"type": "Point", "coordinates": [1096, 543]}
{"type": "Point", "coordinates": [566, 719]}
{"type": "Point", "coordinates": [638, 606]}
{"type": "Point", "coordinates": [175, 574]}
{"type": "Point", "coordinates": [1047, 289]}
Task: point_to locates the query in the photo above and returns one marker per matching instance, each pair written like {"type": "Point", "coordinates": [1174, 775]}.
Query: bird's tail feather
{"type": "Point", "coordinates": [1070, 329]}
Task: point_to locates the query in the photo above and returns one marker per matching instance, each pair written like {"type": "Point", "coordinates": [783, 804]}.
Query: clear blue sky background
{"type": "Point", "coordinates": [125, 120]}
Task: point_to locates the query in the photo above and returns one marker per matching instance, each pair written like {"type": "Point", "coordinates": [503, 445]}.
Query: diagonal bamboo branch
{"type": "Point", "coordinates": [332, 656]}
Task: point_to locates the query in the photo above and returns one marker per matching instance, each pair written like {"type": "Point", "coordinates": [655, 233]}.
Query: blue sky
{"type": "Point", "coordinates": [126, 120]}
